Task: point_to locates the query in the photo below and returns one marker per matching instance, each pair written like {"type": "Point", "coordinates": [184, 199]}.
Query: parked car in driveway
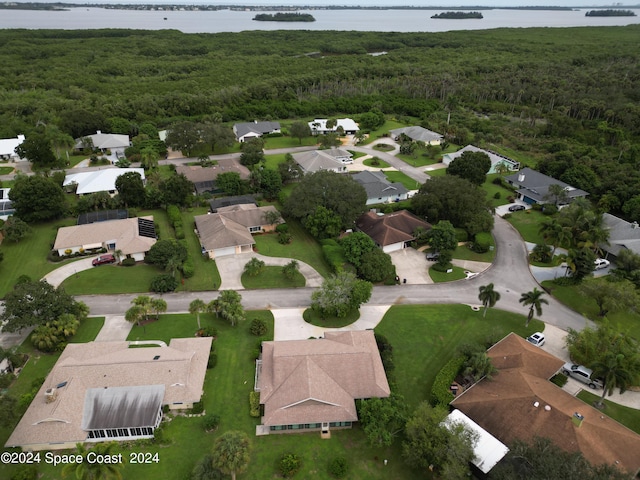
{"type": "Point", "coordinates": [582, 373]}
{"type": "Point", "coordinates": [433, 256]}
{"type": "Point", "coordinates": [601, 263]}
{"type": "Point", "coordinates": [516, 208]}
{"type": "Point", "coordinates": [103, 259]}
{"type": "Point", "coordinates": [536, 339]}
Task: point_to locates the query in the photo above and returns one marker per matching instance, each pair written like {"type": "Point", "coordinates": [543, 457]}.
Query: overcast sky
{"type": "Point", "coordinates": [417, 3]}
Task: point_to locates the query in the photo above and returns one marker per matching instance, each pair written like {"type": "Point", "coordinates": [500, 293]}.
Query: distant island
{"type": "Point", "coordinates": [458, 15]}
{"type": "Point", "coordinates": [284, 17]}
{"type": "Point", "coordinates": [610, 13]}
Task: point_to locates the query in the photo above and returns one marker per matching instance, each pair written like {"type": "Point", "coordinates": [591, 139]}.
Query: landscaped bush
{"type": "Point", "coordinates": [173, 212]}
{"type": "Point", "coordinates": [188, 268]}
{"type": "Point", "coordinates": [497, 181]}
{"type": "Point", "coordinates": [338, 467]}
{"type": "Point", "coordinates": [128, 262]}
{"type": "Point", "coordinates": [559, 379]}
{"type": "Point", "coordinates": [163, 284]}
{"type": "Point", "coordinates": [549, 209]}
{"type": "Point", "coordinates": [6, 379]}
{"type": "Point", "coordinates": [207, 332]}
{"type": "Point", "coordinates": [541, 253]}
{"type": "Point", "coordinates": [258, 327]}
{"type": "Point", "coordinates": [497, 195]}
{"type": "Point", "coordinates": [386, 353]}
{"type": "Point", "coordinates": [441, 389]}
{"type": "Point", "coordinates": [537, 207]}
{"type": "Point", "coordinates": [211, 422]}
{"type": "Point", "coordinates": [213, 360]}
{"type": "Point", "coordinates": [482, 242]}
{"type": "Point", "coordinates": [26, 472]}
{"type": "Point", "coordinates": [197, 408]}
{"type": "Point", "coordinates": [290, 464]}
{"type": "Point", "coordinates": [461, 235]}
{"type": "Point", "coordinates": [254, 404]}
{"type": "Point", "coordinates": [54, 256]}
{"type": "Point", "coordinates": [284, 238]}
{"type": "Point", "coordinates": [179, 231]}
{"type": "Point", "coordinates": [333, 254]}
{"type": "Point", "coordinates": [282, 228]}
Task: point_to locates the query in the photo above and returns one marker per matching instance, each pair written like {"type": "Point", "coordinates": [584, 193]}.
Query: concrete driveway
{"type": "Point", "coordinates": [411, 265]}
{"type": "Point", "coordinates": [59, 275]}
{"type": "Point", "coordinates": [504, 209]}
{"type": "Point", "coordinates": [232, 266]}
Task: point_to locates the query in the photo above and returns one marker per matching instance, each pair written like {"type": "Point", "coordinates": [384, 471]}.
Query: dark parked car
{"type": "Point", "coordinates": [433, 256]}
{"type": "Point", "coordinates": [516, 208]}
{"type": "Point", "coordinates": [102, 259]}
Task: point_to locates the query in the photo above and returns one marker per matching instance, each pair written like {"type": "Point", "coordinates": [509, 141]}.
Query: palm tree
{"type": "Point", "coordinates": [134, 314]}
{"type": "Point", "coordinates": [488, 296]}
{"type": "Point", "coordinates": [614, 373]}
{"type": "Point", "coordinates": [552, 231]}
{"type": "Point", "coordinates": [535, 300]}
{"type": "Point", "coordinates": [502, 168]}
{"type": "Point", "coordinates": [231, 453]}
{"type": "Point", "coordinates": [95, 470]}
{"type": "Point", "coordinates": [214, 306]}
{"type": "Point", "coordinates": [118, 254]}
{"type": "Point", "coordinates": [196, 307]}
{"type": "Point", "coordinates": [158, 305]}
{"type": "Point", "coordinates": [144, 302]}
{"type": "Point", "coordinates": [558, 193]}
{"type": "Point", "coordinates": [479, 365]}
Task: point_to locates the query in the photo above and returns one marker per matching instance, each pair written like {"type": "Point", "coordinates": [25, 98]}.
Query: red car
{"type": "Point", "coordinates": [102, 259]}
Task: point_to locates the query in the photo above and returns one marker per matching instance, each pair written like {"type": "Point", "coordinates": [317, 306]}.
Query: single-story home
{"type": "Point", "coordinates": [6, 207]}
{"type": "Point", "coordinates": [133, 236]}
{"type": "Point", "coordinates": [319, 126]}
{"type": "Point", "coordinates": [391, 231]}
{"type": "Point", "coordinates": [220, 202]}
{"type": "Point", "coordinates": [204, 178]}
{"type": "Point", "coordinates": [519, 403]}
{"type": "Point", "coordinates": [417, 134]}
{"type": "Point", "coordinates": [312, 385]}
{"type": "Point", "coordinates": [623, 235]}
{"type": "Point", "coordinates": [103, 180]}
{"type": "Point", "coordinates": [496, 158]}
{"type": "Point", "coordinates": [100, 391]}
{"type": "Point", "coordinates": [104, 141]}
{"type": "Point", "coordinates": [8, 147]}
{"type": "Point", "coordinates": [332, 159]}
{"type": "Point", "coordinates": [229, 232]}
{"type": "Point", "coordinates": [249, 130]}
{"type": "Point", "coordinates": [533, 187]}
{"type": "Point", "coordinates": [379, 189]}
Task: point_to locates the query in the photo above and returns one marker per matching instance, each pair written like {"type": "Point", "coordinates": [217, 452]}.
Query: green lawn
{"type": "Point", "coordinates": [425, 337]}
{"type": "Point", "coordinates": [629, 417]}
{"type": "Point", "coordinates": [440, 172]}
{"type": "Point", "coordinates": [491, 189]}
{"type": "Point", "coordinates": [380, 132]}
{"type": "Point", "coordinates": [287, 142]}
{"type": "Point", "coordinates": [439, 277]}
{"type": "Point", "coordinates": [303, 247]}
{"type": "Point", "coordinates": [272, 277]}
{"type": "Point", "coordinates": [355, 154]}
{"type": "Point", "coordinates": [29, 255]}
{"type": "Point", "coordinates": [528, 222]}
{"type": "Point", "coordinates": [6, 170]}
{"type": "Point", "coordinates": [380, 163]}
{"type": "Point", "coordinates": [462, 252]}
{"type": "Point", "coordinates": [395, 176]}
{"type": "Point", "coordinates": [108, 279]}
{"type": "Point", "coordinates": [272, 161]}
{"type": "Point", "coordinates": [207, 276]}
{"type": "Point", "coordinates": [419, 158]}
{"type": "Point", "coordinates": [314, 318]}
{"type": "Point", "coordinates": [628, 322]}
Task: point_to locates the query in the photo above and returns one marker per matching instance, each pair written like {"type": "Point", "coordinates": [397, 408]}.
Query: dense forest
{"type": "Point", "coordinates": [567, 99]}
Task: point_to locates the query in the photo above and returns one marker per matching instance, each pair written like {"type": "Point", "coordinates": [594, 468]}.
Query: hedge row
{"type": "Point", "coordinates": [254, 404]}
{"type": "Point", "coordinates": [441, 390]}
{"type": "Point", "coordinates": [333, 254]}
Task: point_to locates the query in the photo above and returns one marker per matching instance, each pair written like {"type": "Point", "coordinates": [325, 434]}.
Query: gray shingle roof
{"type": "Point", "coordinates": [376, 184]}
{"type": "Point", "coordinates": [316, 160]}
{"type": "Point", "coordinates": [261, 128]}
{"type": "Point", "coordinates": [535, 185]}
{"type": "Point", "coordinates": [622, 235]}
{"type": "Point", "coordinates": [417, 133]}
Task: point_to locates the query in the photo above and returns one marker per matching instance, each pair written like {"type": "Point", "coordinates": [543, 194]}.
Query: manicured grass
{"type": "Point", "coordinates": [439, 277]}
{"type": "Point", "coordinates": [462, 252]}
{"type": "Point", "coordinates": [314, 318]}
{"type": "Point", "coordinates": [425, 337]}
{"type": "Point", "coordinates": [76, 159]}
{"type": "Point", "coordinates": [286, 142]}
{"type": "Point", "coordinates": [528, 222]}
{"type": "Point", "coordinates": [440, 172]}
{"type": "Point", "coordinates": [6, 170]}
{"type": "Point", "coordinates": [419, 158]}
{"type": "Point", "coordinates": [491, 189]}
{"type": "Point", "coordinates": [207, 276]}
{"type": "Point", "coordinates": [380, 163]}
{"type": "Point", "coordinates": [272, 161]}
{"type": "Point", "coordinates": [395, 176]}
{"type": "Point", "coordinates": [272, 277]}
{"type": "Point", "coordinates": [108, 279]}
{"type": "Point", "coordinates": [383, 147]}
{"type": "Point", "coordinates": [629, 417]}
{"type": "Point", "coordinates": [355, 154]}
{"type": "Point", "coordinates": [29, 255]}
{"type": "Point", "coordinates": [626, 321]}
{"type": "Point", "coordinates": [303, 247]}
{"type": "Point", "coordinates": [382, 131]}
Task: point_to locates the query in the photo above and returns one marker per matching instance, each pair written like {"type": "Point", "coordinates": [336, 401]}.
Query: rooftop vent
{"type": "Point", "coordinates": [634, 225]}
{"type": "Point", "coordinates": [50, 395]}
{"type": "Point", "coordinates": [157, 357]}
{"type": "Point", "coordinates": [521, 177]}
{"type": "Point", "coordinates": [577, 419]}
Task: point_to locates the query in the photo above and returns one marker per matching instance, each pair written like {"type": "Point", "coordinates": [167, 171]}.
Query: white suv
{"type": "Point", "coordinates": [601, 263]}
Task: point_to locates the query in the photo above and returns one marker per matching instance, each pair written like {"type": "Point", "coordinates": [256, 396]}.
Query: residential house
{"type": "Point", "coordinates": [101, 391]}
{"type": "Point", "coordinates": [379, 189]}
{"type": "Point", "coordinates": [519, 403]}
{"type": "Point", "coordinates": [132, 236]}
{"type": "Point", "coordinates": [347, 125]}
{"type": "Point", "coordinates": [8, 148]}
{"type": "Point", "coordinates": [533, 187]}
{"type": "Point", "coordinates": [104, 141]}
{"type": "Point", "coordinates": [417, 134]}
{"type": "Point", "coordinates": [391, 231]}
{"type": "Point", "coordinates": [332, 159]}
{"type": "Point", "coordinates": [496, 158]}
{"type": "Point", "coordinates": [220, 202]}
{"type": "Point", "coordinates": [623, 235]}
{"type": "Point", "coordinates": [103, 180]}
{"type": "Point", "coordinates": [6, 207]}
{"type": "Point", "coordinates": [204, 178]}
{"type": "Point", "coordinates": [229, 231]}
{"type": "Point", "coordinates": [312, 385]}
{"type": "Point", "coordinates": [247, 131]}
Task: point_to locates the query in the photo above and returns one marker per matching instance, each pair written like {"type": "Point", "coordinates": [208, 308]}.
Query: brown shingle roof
{"type": "Point", "coordinates": [504, 406]}
{"type": "Point", "coordinates": [390, 228]}
{"type": "Point", "coordinates": [311, 381]}
{"type": "Point", "coordinates": [198, 174]}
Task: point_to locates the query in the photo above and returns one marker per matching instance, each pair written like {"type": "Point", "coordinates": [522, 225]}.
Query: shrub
{"type": "Point", "coordinates": [54, 256]}
{"type": "Point", "coordinates": [179, 232]}
{"type": "Point", "coordinates": [211, 422]}
{"type": "Point", "coordinates": [497, 181]}
{"type": "Point", "coordinates": [128, 262]}
{"type": "Point", "coordinates": [197, 408]}
{"type": "Point", "coordinates": [254, 404]}
{"type": "Point", "coordinates": [497, 195]}
{"type": "Point", "coordinates": [549, 209]}
{"type": "Point", "coordinates": [541, 253]}
{"type": "Point", "coordinates": [290, 463]}
{"type": "Point", "coordinates": [334, 255]}
{"type": "Point", "coordinates": [441, 389]}
{"type": "Point", "coordinates": [284, 238]}
{"type": "Point", "coordinates": [461, 235]}
{"type": "Point", "coordinates": [163, 284]}
{"type": "Point", "coordinates": [173, 212]}
{"type": "Point", "coordinates": [482, 242]}
{"type": "Point", "coordinates": [258, 327]}
{"type": "Point", "coordinates": [26, 472]}
{"type": "Point", "coordinates": [282, 228]}
{"type": "Point", "coordinates": [6, 379]}
{"type": "Point", "coordinates": [188, 268]}
{"type": "Point", "coordinates": [536, 206]}
{"type": "Point", "coordinates": [338, 467]}
{"type": "Point", "coordinates": [207, 332]}
{"type": "Point", "coordinates": [213, 360]}
{"type": "Point", "coordinates": [559, 379]}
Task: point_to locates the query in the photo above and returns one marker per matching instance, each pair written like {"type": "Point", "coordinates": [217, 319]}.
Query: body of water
{"type": "Point", "coordinates": [343, 20]}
